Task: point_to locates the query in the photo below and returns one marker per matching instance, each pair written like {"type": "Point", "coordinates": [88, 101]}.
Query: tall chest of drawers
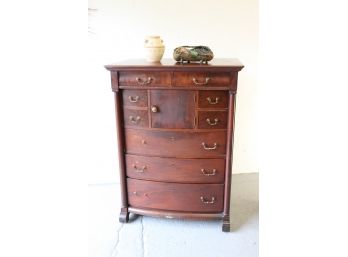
{"type": "Point", "coordinates": [175, 127]}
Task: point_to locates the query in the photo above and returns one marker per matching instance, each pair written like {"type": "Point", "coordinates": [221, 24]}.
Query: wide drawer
{"type": "Point", "coordinates": [175, 170]}
{"type": "Point", "coordinates": [206, 79]}
{"type": "Point", "coordinates": [182, 144]}
{"type": "Point", "coordinates": [144, 79]}
{"type": "Point", "coordinates": [174, 196]}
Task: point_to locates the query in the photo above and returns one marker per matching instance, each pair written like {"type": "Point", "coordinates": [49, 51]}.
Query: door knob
{"type": "Point", "coordinates": [154, 109]}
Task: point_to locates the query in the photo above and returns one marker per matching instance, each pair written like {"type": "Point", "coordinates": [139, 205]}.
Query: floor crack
{"type": "Point", "coordinates": [114, 251]}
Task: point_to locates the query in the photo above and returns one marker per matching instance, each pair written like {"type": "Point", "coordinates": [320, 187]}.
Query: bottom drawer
{"type": "Point", "coordinates": [175, 196]}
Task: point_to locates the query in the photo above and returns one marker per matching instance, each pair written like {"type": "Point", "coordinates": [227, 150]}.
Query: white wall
{"type": "Point", "coordinates": [118, 28]}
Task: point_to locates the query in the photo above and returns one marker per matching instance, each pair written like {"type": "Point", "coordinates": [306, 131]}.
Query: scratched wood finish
{"type": "Point", "coordinates": [161, 155]}
{"type": "Point", "coordinates": [175, 196]}
{"type": "Point", "coordinates": [175, 170]}
{"type": "Point", "coordinates": [176, 144]}
{"type": "Point", "coordinates": [175, 109]}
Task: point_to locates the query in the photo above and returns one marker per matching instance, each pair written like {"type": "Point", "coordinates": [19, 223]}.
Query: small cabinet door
{"type": "Point", "coordinates": [172, 109]}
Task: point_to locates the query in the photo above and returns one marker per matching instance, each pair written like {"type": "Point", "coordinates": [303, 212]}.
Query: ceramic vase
{"type": "Point", "coordinates": [154, 48]}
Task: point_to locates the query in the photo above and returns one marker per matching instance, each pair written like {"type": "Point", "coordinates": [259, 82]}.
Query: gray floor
{"type": "Point", "coordinates": [155, 237]}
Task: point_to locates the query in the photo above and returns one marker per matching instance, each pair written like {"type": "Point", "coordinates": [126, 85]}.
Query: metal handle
{"type": "Point", "coordinates": [133, 100]}
{"type": "Point", "coordinates": [212, 173]}
{"type": "Point", "coordinates": [139, 170]}
{"type": "Point", "coordinates": [154, 109]}
{"type": "Point", "coordinates": [209, 148]}
{"type": "Point", "coordinates": [216, 120]}
{"type": "Point", "coordinates": [134, 120]}
{"type": "Point", "coordinates": [207, 201]}
{"type": "Point", "coordinates": [213, 102]}
{"type": "Point", "coordinates": [143, 82]}
{"type": "Point", "coordinates": [194, 80]}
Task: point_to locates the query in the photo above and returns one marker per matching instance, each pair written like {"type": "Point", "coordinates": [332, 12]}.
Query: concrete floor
{"type": "Point", "coordinates": [156, 237]}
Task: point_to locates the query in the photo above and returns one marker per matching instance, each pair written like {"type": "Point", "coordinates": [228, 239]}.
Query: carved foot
{"type": "Point", "coordinates": [124, 215]}
{"type": "Point", "coordinates": [226, 225]}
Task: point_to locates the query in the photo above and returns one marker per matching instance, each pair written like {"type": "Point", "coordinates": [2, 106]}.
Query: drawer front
{"type": "Point", "coordinates": [136, 118]}
{"type": "Point", "coordinates": [175, 170]}
{"type": "Point", "coordinates": [213, 99]}
{"type": "Point", "coordinates": [202, 79]}
{"type": "Point", "coordinates": [134, 98]}
{"type": "Point", "coordinates": [212, 119]}
{"type": "Point", "coordinates": [144, 79]}
{"type": "Point", "coordinates": [174, 196]}
{"type": "Point", "coordinates": [176, 144]}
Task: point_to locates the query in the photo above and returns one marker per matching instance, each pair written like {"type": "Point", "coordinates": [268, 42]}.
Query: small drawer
{"type": "Point", "coordinates": [181, 144]}
{"type": "Point", "coordinates": [213, 99]}
{"type": "Point", "coordinates": [175, 170]}
{"type": "Point", "coordinates": [136, 118]}
{"type": "Point", "coordinates": [136, 98]}
{"type": "Point", "coordinates": [202, 79]}
{"type": "Point", "coordinates": [144, 79]}
{"type": "Point", "coordinates": [175, 196]}
{"type": "Point", "coordinates": [212, 119]}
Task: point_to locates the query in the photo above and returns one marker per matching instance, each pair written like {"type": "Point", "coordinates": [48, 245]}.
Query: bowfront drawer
{"type": "Point", "coordinates": [174, 196]}
{"type": "Point", "coordinates": [212, 99]}
{"type": "Point", "coordinates": [134, 98]}
{"type": "Point", "coordinates": [202, 79]}
{"type": "Point", "coordinates": [186, 144]}
{"type": "Point", "coordinates": [175, 170]}
{"type": "Point", "coordinates": [212, 119]}
{"type": "Point", "coordinates": [136, 118]}
{"type": "Point", "coordinates": [144, 79]}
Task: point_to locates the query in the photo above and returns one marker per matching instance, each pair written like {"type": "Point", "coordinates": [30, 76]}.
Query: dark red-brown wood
{"type": "Point", "coordinates": [202, 79]}
{"type": "Point", "coordinates": [175, 126]}
{"type": "Point", "coordinates": [134, 98]}
{"type": "Point", "coordinates": [213, 99]}
{"type": "Point", "coordinates": [175, 196]}
{"type": "Point", "coordinates": [212, 119]}
{"type": "Point", "coordinates": [136, 118]}
{"type": "Point", "coordinates": [144, 79]}
{"type": "Point", "coordinates": [175, 170]}
{"type": "Point", "coordinates": [173, 109]}
{"type": "Point", "coordinates": [182, 144]}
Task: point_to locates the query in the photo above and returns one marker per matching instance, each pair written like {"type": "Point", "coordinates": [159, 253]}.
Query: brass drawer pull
{"type": "Point", "coordinates": [143, 82]}
{"type": "Point", "coordinates": [196, 82]}
{"type": "Point", "coordinates": [216, 120]}
{"type": "Point", "coordinates": [212, 173]}
{"type": "Point", "coordinates": [133, 99]}
{"type": "Point", "coordinates": [212, 101]}
{"type": "Point", "coordinates": [139, 170]}
{"type": "Point", "coordinates": [207, 201]}
{"type": "Point", "coordinates": [134, 120]}
{"type": "Point", "coordinates": [209, 148]}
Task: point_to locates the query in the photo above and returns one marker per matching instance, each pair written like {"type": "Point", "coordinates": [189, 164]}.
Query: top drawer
{"type": "Point", "coordinates": [144, 79]}
{"type": "Point", "coordinates": [203, 79]}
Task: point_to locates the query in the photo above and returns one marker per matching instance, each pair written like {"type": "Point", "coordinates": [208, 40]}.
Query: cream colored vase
{"type": "Point", "coordinates": [154, 48]}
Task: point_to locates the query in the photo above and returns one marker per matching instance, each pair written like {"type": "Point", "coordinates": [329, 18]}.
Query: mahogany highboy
{"type": "Point", "coordinates": [175, 127]}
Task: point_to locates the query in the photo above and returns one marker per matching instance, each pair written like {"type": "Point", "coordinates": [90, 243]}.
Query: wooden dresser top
{"type": "Point", "coordinates": [170, 64]}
